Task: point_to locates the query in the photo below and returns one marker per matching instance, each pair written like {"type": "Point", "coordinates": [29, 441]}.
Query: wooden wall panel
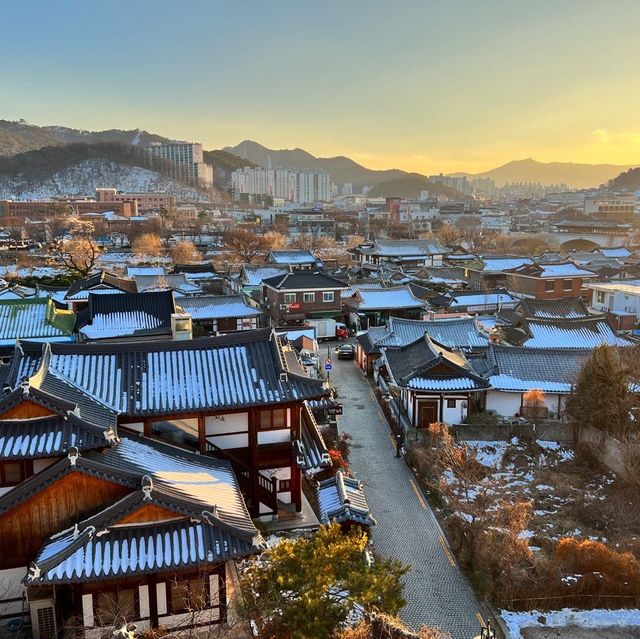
{"type": "Point", "coordinates": [26, 410]}
{"type": "Point", "coordinates": [59, 506]}
{"type": "Point", "coordinates": [149, 512]}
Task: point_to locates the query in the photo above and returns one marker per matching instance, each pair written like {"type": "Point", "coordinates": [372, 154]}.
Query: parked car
{"type": "Point", "coordinates": [346, 351]}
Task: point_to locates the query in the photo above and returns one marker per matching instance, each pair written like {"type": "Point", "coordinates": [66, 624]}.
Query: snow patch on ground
{"type": "Point", "coordinates": [516, 621]}
{"type": "Point", "coordinates": [85, 177]}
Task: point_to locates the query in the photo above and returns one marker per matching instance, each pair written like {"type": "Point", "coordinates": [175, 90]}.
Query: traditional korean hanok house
{"type": "Point", "coordinates": [410, 254]}
{"type": "Point", "coordinates": [474, 302]}
{"type": "Point", "coordinates": [233, 396]}
{"type": "Point", "coordinates": [139, 316]}
{"type": "Point", "coordinates": [204, 276]}
{"type": "Point", "coordinates": [212, 314]}
{"type": "Point", "coordinates": [298, 259]}
{"type": "Point", "coordinates": [370, 307]}
{"type": "Point", "coordinates": [434, 384]}
{"type": "Point", "coordinates": [490, 272]}
{"type": "Point", "coordinates": [514, 371]}
{"type": "Point", "coordinates": [457, 333]}
{"type": "Point", "coordinates": [98, 526]}
{"type": "Point", "coordinates": [585, 333]}
{"type": "Point", "coordinates": [176, 282]}
{"type": "Point", "coordinates": [101, 283]}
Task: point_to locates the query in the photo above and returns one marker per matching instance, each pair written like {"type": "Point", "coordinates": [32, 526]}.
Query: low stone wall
{"type": "Point", "coordinates": [607, 449]}
{"type": "Point", "coordinates": [545, 430]}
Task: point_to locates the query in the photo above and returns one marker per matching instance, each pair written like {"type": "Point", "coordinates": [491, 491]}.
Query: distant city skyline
{"type": "Point", "coordinates": [418, 85]}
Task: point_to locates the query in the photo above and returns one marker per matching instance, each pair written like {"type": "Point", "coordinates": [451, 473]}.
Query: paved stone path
{"type": "Point", "coordinates": [436, 592]}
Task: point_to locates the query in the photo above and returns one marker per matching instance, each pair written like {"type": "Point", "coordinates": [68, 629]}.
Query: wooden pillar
{"type": "Point", "coordinates": [147, 427]}
{"type": "Point", "coordinates": [222, 592]}
{"type": "Point", "coordinates": [202, 433]}
{"type": "Point", "coordinates": [296, 473]}
{"type": "Point", "coordinates": [153, 602]}
{"type": "Point", "coordinates": [441, 403]}
{"type": "Point", "coordinates": [253, 461]}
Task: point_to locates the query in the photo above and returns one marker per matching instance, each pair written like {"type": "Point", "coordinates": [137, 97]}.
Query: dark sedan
{"type": "Point", "coordinates": [346, 351]}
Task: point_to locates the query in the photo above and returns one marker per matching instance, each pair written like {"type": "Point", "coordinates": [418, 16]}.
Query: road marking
{"type": "Point", "coordinates": [416, 490]}
{"type": "Point", "coordinates": [481, 620]}
{"type": "Point", "coordinates": [447, 552]}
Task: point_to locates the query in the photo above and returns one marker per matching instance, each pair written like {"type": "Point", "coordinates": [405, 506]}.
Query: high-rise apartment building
{"type": "Point", "coordinates": [301, 187]}
{"type": "Point", "coordinates": [184, 161]}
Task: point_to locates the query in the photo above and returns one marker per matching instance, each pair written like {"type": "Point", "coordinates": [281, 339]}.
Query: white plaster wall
{"type": "Point", "coordinates": [231, 423]}
{"type": "Point", "coordinates": [274, 436]}
{"type": "Point", "coordinates": [503, 403]}
{"type": "Point", "coordinates": [454, 415]}
{"type": "Point", "coordinates": [230, 441]}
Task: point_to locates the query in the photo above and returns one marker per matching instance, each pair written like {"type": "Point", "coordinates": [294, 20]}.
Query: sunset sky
{"type": "Point", "coordinates": [420, 85]}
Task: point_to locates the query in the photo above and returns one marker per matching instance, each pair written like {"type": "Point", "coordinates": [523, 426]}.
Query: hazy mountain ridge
{"type": "Point", "coordinates": [573, 174]}
{"type": "Point", "coordinates": [627, 181]}
{"type": "Point", "coordinates": [411, 185]}
{"type": "Point", "coordinates": [20, 137]}
{"type": "Point", "coordinates": [342, 169]}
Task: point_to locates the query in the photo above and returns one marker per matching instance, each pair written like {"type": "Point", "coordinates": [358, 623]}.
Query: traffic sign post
{"type": "Point", "coordinates": [328, 365]}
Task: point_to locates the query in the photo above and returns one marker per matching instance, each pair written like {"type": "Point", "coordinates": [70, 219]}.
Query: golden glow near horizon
{"type": "Point", "coordinates": [420, 85]}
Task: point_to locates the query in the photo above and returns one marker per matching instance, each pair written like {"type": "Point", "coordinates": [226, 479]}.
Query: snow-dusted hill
{"type": "Point", "coordinates": [83, 178]}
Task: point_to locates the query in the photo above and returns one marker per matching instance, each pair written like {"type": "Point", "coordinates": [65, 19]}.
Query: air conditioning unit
{"type": "Point", "coordinates": [43, 619]}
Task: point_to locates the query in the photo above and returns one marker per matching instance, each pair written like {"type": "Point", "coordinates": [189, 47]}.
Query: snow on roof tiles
{"type": "Point", "coordinates": [587, 333]}
{"type": "Point", "coordinates": [142, 378]}
{"type": "Point", "coordinates": [31, 319]}
{"type": "Point", "coordinates": [498, 264]}
{"type": "Point", "coordinates": [456, 383]}
{"type": "Point", "coordinates": [342, 499]}
{"type": "Point", "coordinates": [388, 298]}
{"type": "Point", "coordinates": [452, 333]}
{"type": "Point", "coordinates": [564, 270]}
{"type": "Point", "coordinates": [218, 306]}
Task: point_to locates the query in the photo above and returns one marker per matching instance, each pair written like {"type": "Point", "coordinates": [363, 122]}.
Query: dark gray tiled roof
{"type": "Point", "coordinates": [104, 279]}
{"type": "Point", "coordinates": [126, 551]}
{"type": "Point", "coordinates": [218, 306]}
{"type": "Point", "coordinates": [47, 437]}
{"type": "Point", "coordinates": [342, 499]}
{"type": "Point", "coordinates": [452, 333]}
{"type": "Point", "coordinates": [570, 307]}
{"type": "Point", "coordinates": [411, 366]}
{"type": "Point", "coordinates": [520, 369]}
{"type": "Point", "coordinates": [167, 377]}
{"type": "Point", "coordinates": [129, 314]}
{"type": "Point", "coordinates": [303, 279]}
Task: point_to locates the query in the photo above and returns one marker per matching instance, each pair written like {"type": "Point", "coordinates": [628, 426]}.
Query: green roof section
{"type": "Point", "coordinates": [36, 318]}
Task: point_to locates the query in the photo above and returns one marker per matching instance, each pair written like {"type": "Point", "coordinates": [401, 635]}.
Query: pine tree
{"type": "Point", "coordinates": [601, 396]}
{"type": "Point", "coordinates": [306, 588]}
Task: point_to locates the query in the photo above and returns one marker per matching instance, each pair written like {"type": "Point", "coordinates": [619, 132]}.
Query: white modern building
{"type": "Point", "coordinates": [301, 187]}
{"type": "Point", "coordinates": [616, 297]}
{"type": "Point", "coordinates": [185, 162]}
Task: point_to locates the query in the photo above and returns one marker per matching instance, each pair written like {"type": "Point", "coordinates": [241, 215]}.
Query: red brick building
{"type": "Point", "coordinates": [550, 281]}
{"type": "Point", "coordinates": [300, 295]}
